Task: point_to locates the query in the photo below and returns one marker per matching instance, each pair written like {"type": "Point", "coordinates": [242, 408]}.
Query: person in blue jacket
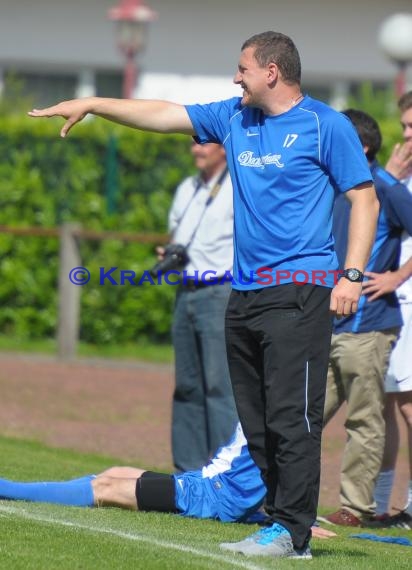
{"type": "Point", "coordinates": [362, 343]}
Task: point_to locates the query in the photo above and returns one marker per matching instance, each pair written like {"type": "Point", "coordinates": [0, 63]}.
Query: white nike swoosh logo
{"type": "Point", "coordinates": [180, 481]}
{"type": "Point", "coordinates": [402, 380]}
{"type": "Point", "coordinates": [248, 134]}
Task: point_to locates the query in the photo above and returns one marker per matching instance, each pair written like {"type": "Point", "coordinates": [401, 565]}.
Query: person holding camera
{"type": "Point", "coordinates": [201, 228]}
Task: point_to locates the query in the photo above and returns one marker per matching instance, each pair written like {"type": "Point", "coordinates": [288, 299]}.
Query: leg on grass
{"type": "Point", "coordinates": [116, 487]}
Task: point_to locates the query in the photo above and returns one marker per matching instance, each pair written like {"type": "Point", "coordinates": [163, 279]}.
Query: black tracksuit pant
{"type": "Point", "coordinates": [278, 341]}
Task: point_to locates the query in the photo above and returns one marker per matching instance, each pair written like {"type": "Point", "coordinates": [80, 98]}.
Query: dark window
{"type": "Point", "coordinates": [41, 88]}
{"type": "Point", "coordinates": [109, 84]}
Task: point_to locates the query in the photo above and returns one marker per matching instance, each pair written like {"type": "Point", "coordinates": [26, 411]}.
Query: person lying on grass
{"type": "Point", "coordinates": [229, 489]}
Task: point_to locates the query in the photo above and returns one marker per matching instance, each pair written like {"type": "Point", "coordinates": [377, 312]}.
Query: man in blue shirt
{"type": "Point", "coordinates": [287, 156]}
{"type": "Point", "coordinates": [362, 343]}
{"type": "Point", "coordinates": [398, 381]}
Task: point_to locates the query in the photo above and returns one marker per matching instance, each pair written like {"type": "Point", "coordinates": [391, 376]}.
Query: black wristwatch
{"type": "Point", "coordinates": [353, 274]}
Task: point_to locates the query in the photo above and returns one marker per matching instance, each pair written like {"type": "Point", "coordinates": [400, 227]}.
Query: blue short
{"type": "Point", "coordinates": [192, 495]}
{"type": "Point", "coordinates": [218, 497]}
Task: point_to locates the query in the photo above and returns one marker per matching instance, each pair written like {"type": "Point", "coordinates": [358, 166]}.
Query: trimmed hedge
{"type": "Point", "coordinates": [105, 178]}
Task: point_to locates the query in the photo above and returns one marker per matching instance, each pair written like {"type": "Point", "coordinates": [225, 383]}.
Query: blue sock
{"type": "Point", "coordinates": [78, 493]}
{"type": "Point", "coordinates": [383, 490]}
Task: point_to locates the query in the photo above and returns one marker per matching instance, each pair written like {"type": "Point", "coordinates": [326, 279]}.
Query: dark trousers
{"type": "Point", "coordinates": [278, 341]}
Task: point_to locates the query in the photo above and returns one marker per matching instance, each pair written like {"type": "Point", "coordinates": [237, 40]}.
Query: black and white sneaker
{"type": "Point", "coordinates": [402, 520]}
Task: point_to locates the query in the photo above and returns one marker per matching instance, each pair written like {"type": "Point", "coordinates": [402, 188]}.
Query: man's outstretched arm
{"type": "Point", "coordinates": [145, 115]}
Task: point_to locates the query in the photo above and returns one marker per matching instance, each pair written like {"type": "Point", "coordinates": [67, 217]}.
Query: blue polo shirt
{"type": "Point", "coordinates": [285, 170]}
{"type": "Point", "coordinates": [395, 215]}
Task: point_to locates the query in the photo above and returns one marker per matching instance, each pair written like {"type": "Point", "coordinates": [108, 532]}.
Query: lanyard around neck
{"type": "Point", "coordinates": [212, 195]}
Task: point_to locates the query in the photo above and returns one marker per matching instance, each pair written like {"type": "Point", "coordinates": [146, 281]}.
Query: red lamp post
{"type": "Point", "coordinates": [132, 18]}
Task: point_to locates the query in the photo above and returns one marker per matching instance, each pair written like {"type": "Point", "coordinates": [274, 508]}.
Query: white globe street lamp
{"type": "Point", "coordinates": [395, 40]}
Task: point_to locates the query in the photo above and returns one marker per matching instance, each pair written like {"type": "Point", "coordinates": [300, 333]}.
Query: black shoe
{"type": "Point", "coordinates": [401, 520]}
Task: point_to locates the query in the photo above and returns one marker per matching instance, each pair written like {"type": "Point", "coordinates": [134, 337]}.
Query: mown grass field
{"type": "Point", "coordinates": [49, 537]}
{"type": "Point", "coordinates": [142, 351]}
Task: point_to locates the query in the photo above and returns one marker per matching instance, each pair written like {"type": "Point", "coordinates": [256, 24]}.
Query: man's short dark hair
{"type": "Point", "coordinates": [368, 131]}
{"type": "Point", "coordinates": [405, 102]}
{"type": "Point", "coordinates": [274, 47]}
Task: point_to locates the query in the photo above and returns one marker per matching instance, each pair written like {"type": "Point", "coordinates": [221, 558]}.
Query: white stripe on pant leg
{"type": "Point", "coordinates": [306, 395]}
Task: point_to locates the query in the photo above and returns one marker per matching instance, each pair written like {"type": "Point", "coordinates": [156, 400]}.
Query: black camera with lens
{"type": "Point", "coordinates": [175, 257]}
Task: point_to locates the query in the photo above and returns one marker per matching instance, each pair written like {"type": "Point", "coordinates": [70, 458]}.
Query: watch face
{"type": "Point", "coordinates": [353, 274]}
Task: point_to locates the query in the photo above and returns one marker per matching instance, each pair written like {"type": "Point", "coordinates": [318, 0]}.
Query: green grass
{"type": "Point", "coordinates": [49, 537]}
{"type": "Point", "coordinates": [143, 351]}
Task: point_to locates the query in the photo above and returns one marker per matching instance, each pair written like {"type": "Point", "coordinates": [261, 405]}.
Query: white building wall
{"type": "Point", "coordinates": [193, 38]}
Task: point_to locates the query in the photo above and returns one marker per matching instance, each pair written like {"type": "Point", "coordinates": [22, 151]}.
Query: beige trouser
{"type": "Point", "coordinates": [357, 368]}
